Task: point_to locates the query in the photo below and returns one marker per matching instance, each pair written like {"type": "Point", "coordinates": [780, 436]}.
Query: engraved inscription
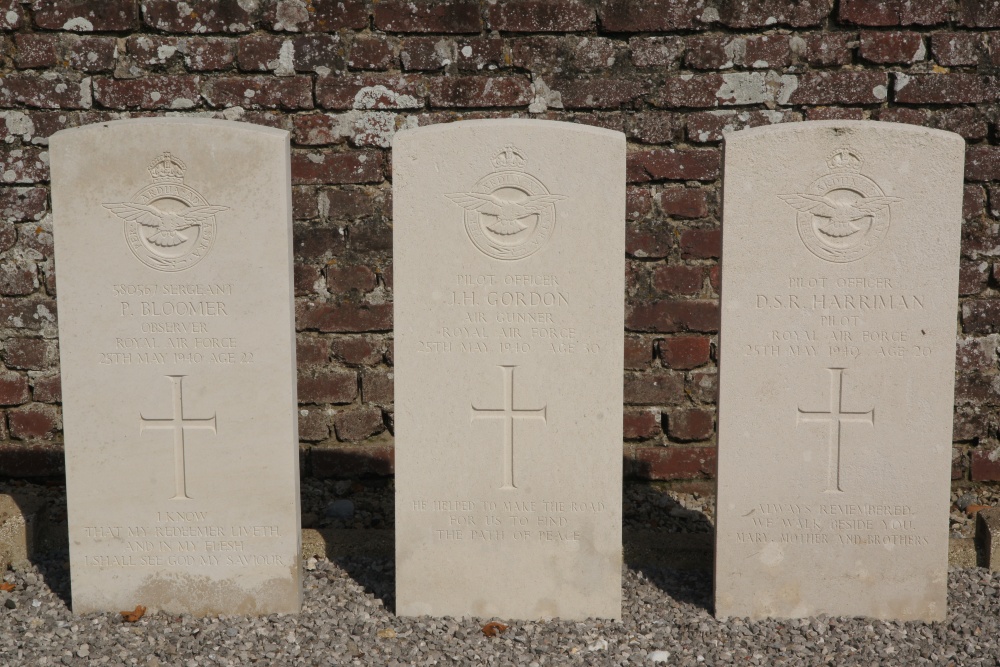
{"type": "Point", "coordinates": [516, 522]}
{"type": "Point", "coordinates": [508, 413]}
{"type": "Point", "coordinates": [509, 214]}
{"type": "Point", "coordinates": [844, 215]}
{"type": "Point", "coordinates": [177, 423]}
{"type": "Point", "coordinates": [835, 524]}
{"type": "Point", "coordinates": [169, 226]}
{"type": "Point", "coordinates": [835, 416]}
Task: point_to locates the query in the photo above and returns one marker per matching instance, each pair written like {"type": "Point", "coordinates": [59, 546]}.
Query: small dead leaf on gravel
{"type": "Point", "coordinates": [7, 586]}
{"type": "Point", "coordinates": [494, 629]}
{"type": "Point", "coordinates": [134, 615]}
{"type": "Point", "coordinates": [388, 633]}
{"type": "Point", "coordinates": [972, 510]}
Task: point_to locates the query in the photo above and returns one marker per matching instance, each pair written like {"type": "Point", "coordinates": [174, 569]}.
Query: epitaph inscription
{"type": "Point", "coordinates": [178, 366]}
{"type": "Point", "coordinates": [508, 369]}
{"type": "Point", "coordinates": [838, 321]}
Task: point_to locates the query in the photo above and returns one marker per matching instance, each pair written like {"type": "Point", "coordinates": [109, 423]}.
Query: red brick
{"type": "Point", "coordinates": [475, 91]}
{"type": "Point", "coordinates": [970, 424]}
{"type": "Point", "coordinates": [976, 354]}
{"type": "Point", "coordinates": [540, 16]}
{"type": "Point", "coordinates": [351, 462]}
{"type": "Point", "coordinates": [28, 353]}
{"type": "Point", "coordinates": [953, 88]}
{"type": "Point", "coordinates": [973, 201]}
{"type": "Point", "coordinates": [311, 243]}
{"type": "Point", "coordinates": [840, 88]}
{"type": "Point", "coordinates": [979, 13]}
{"type": "Point", "coordinates": [975, 389]}
{"type": "Point", "coordinates": [153, 49]}
{"type": "Point", "coordinates": [824, 49]}
{"type": "Point", "coordinates": [685, 352]}
{"type": "Point", "coordinates": [610, 93]}
{"type": "Point", "coordinates": [654, 388]}
{"type": "Point", "coordinates": [47, 388]}
{"type": "Point", "coordinates": [22, 204]}
{"type": "Point", "coordinates": [638, 352]}
{"type": "Point", "coordinates": [956, 49]}
{"type": "Point", "coordinates": [709, 52]}
{"type": "Point", "coordinates": [666, 463]}
{"type": "Point", "coordinates": [763, 13]}
{"type": "Point", "coordinates": [834, 113]}
{"type": "Point", "coordinates": [208, 54]}
{"type": "Point", "coordinates": [425, 54]}
{"type": "Point", "coordinates": [198, 16]}
{"type": "Point", "coordinates": [985, 465]}
{"type": "Point", "coordinates": [638, 203]}
{"type": "Point", "coordinates": [648, 242]}
{"type": "Point", "coordinates": [370, 52]}
{"type": "Point", "coordinates": [982, 163]}
{"type": "Point", "coordinates": [305, 200]}
{"type": "Point", "coordinates": [972, 277]}
{"type": "Point", "coordinates": [91, 54]}
{"type": "Point", "coordinates": [269, 53]}
{"type": "Point", "coordinates": [994, 209]}
{"type": "Point", "coordinates": [691, 424]}
{"type": "Point", "coordinates": [881, 13]}
{"type": "Point", "coordinates": [358, 423]}
{"type": "Point", "coordinates": [678, 280]}
{"type": "Point", "coordinates": [656, 51]}
{"type": "Point", "coordinates": [357, 350]}
{"type": "Point", "coordinates": [970, 122]}
{"type": "Point", "coordinates": [370, 91]}
{"type": "Point", "coordinates": [669, 316]}
{"type": "Point", "coordinates": [35, 421]}
{"type": "Point", "coordinates": [700, 164]}
{"type": "Point", "coordinates": [681, 202]}
{"type": "Point", "coordinates": [318, 130]}
{"type": "Point", "coordinates": [980, 316]}
{"type": "Point", "coordinates": [701, 243]}
{"type": "Point", "coordinates": [305, 280]}
{"type": "Point", "coordinates": [260, 92]}
{"type": "Point", "coordinates": [594, 54]}
{"type": "Point", "coordinates": [314, 424]}
{"type": "Point", "coordinates": [36, 49]}
{"type": "Point", "coordinates": [25, 165]}
{"type": "Point", "coordinates": [328, 386]}
{"type": "Point", "coordinates": [85, 15]}
{"type": "Point", "coordinates": [13, 388]}
{"type": "Point", "coordinates": [890, 47]}
{"type": "Point", "coordinates": [60, 92]}
{"type": "Point", "coordinates": [312, 350]}
{"type": "Point", "coordinates": [654, 127]}
{"type": "Point", "coordinates": [370, 236]}
{"type": "Point", "coordinates": [767, 51]}
{"type": "Point", "coordinates": [538, 53]}
{"type": "Point", "coordinates": [8, 235]}
{"type": "Point", "coordinates": [29, 314]}
{"type": "Point", "coordinates": [649, 15]}
{"type": "Point", "coordinates": [696, 91]}
{"type": "Point", "coordinates": [344, 167]}
{"type": "Point", "coordinates": [710, 126]}
{"type": "Point", "coordinates": [703, 387]}
{"type": "Point", "coordinates": [18, 278]}
{"type": "Point", "coordinates": [377, 386]}
{"type": "Point", "coordinates": [641, 424]}
{"type": "Point", "coordinates": [421, 16]}
{"type": "Point", "coordinates": [11, 16]}
{"type": "Point", "coordinates": [348, 204]}
{"type": "Point", "coordinates": [315, 15]}
{"type": "Point", "coordinates": [345, 318]}
{"type": "Point", "coordinates": [151, 92]}
{"type": "Point", "coordinates": [342, 279]}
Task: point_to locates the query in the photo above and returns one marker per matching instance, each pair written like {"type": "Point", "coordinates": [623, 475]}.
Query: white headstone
{"type": "Point", "coordinates": [837, 368]}
{"type": "Point", "coordinates": [173, 259]}
{"type": "Point", "coordinates": [508, 255]}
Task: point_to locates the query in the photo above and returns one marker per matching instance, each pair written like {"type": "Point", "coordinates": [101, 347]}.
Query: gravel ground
{"type": "Point", "coordinates": [346, 620]}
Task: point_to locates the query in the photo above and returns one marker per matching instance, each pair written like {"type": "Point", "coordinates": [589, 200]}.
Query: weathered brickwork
{"type": "Point", "coordinates": [343, 75]}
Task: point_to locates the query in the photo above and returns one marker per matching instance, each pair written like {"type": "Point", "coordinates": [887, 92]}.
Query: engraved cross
{"type": "Point", "coordinates": [508, 413]}
{"type": "Point", "coordinates": [177, 423]}
{"type": "Point", "coordinates": [835, 416]}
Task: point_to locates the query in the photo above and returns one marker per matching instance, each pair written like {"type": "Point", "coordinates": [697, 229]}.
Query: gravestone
{"type": "Point", "coordinates": [508, 260]}
{"type": "Point", "coordinates": [173, 260]}
{"type": "Point", "coordinates": [837, 367]}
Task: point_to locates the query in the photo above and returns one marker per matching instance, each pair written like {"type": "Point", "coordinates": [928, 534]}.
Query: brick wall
{"type": "Point", "coordinates": [343, 75]}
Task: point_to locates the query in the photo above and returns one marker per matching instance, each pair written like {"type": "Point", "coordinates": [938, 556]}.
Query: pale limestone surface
{"type": "Point", "coordinates": [178, 365]}
{"type": "Point", "coordinates": [508, 255]}
{"type": "Point", "coordinates": [837, 366]}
